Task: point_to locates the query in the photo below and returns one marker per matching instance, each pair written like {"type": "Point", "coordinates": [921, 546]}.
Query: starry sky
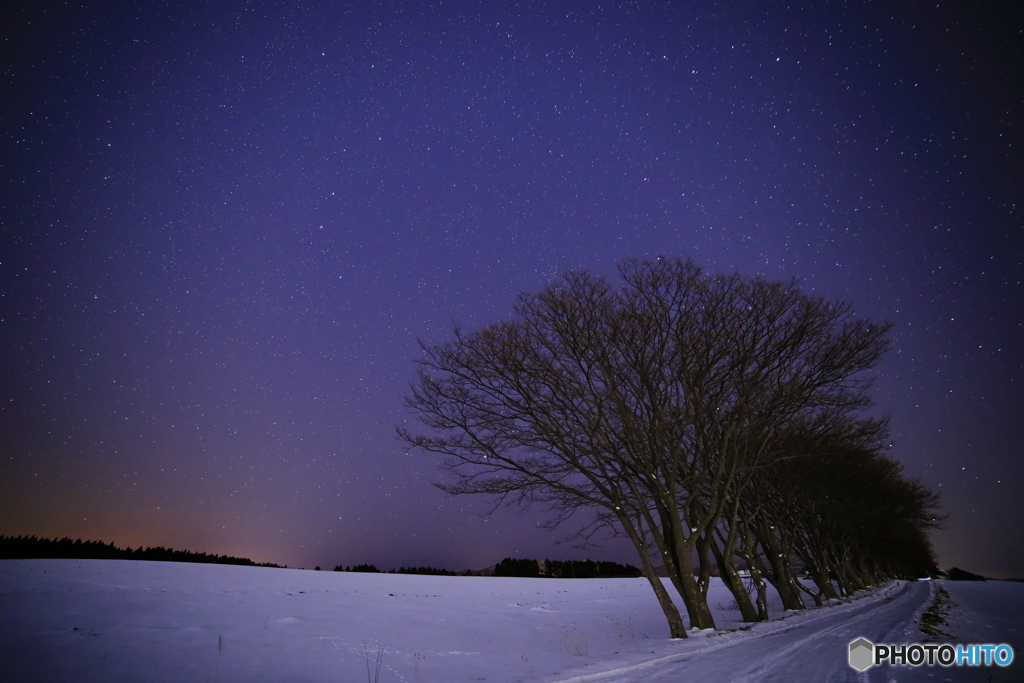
{"type": "Point", "coordinates": [225, 225]}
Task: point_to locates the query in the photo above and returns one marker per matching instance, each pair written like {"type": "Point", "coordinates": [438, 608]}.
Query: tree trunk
{"type": "Point", "coordinates": [696, 602]}
{"type": "Point", "coordinates": [777, 566]}
{"type": "Point", "coordinates": [762, 593]}
{"type": "Point", "coordinates": [675, 621]}
{"type": "Point", "coordinates": [819, 571]}
{"type": "Point", "coordinates": [704, 576]}
{"type": "Point", "coordinates": [815, 595]}
{"type": "Point", "coordinates": [733, 581]}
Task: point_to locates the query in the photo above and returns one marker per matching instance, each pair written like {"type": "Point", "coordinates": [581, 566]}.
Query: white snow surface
{"type": "Point", "coordinates": [113, 620]}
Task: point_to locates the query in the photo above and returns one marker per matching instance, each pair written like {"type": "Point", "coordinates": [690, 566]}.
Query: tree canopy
{"type": "Point", "coordinates": [667, 403]}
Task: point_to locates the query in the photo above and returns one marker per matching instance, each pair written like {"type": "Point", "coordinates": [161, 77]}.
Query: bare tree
{"type": "Point", "coordinates": [857, 517]}
{"type": "Point", "coordinates": [521, 410]}
{"type": "Point", "coordinates": [651, 402]}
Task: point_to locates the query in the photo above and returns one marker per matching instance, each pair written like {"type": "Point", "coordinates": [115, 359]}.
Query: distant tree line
{"type": "Point", "coordinates": [568, 569]}
{"type": "Point", "coordinates": [367, 568]}
{"type": "Point", "coordinates": [425, 571]}
{"type": "Point", "coordinates": [716, 421]}
{"type": "Point", "coordinates": [588, 569]}
{"type": "Point", "coordinates": [510, 566]}
{"type": "Point", "coordinates": [31, 547]}
{"type": "Point", "coordinates": [957, 574]}
{"type": "Point", "coordinates": [372, 569]}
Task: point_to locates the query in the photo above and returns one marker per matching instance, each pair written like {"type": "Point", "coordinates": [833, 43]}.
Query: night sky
{"type": "Point", "coordinates": [225, 224]}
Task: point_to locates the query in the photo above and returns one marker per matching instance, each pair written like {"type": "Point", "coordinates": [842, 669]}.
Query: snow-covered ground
{"type": "Point", "coordinates": [95, 620]}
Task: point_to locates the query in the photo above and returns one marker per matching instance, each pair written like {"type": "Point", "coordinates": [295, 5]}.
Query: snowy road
{"type": "Point", "coordinates": [814, 649]}
{"type": "Point", "coordinates": [805, 647]}
{"type": "Point", "coordinates": [812, 645]}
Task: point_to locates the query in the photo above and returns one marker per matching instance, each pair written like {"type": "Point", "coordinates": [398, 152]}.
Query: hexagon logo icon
{"type": "Point", "coordinates": [862, 654]}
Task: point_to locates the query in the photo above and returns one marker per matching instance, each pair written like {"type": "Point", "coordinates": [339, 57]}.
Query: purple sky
{"type": "Point", "coordinates": [225, 224]}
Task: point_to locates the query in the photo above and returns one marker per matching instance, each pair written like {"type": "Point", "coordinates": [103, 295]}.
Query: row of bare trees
{"type": "Point", "coordinates": [701, 416]}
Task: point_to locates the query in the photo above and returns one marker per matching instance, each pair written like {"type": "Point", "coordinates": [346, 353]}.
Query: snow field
{"type": "Point", "coordinates": [155, 621]}
{"type": "Point", "coordinates": [109, 620]}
